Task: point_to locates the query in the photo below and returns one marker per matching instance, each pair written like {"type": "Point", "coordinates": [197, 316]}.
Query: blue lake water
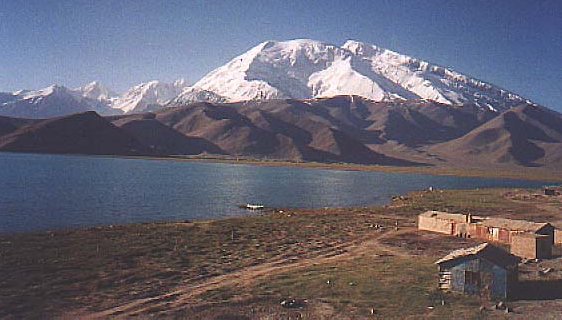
{"type": "Point", "coordinates": [45, 192]}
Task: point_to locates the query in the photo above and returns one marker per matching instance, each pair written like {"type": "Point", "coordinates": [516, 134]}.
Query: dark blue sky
{"type": "Point", "coordinates": [513, 44]}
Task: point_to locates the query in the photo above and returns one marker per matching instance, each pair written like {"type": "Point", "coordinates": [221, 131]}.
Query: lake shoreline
{"type": "Point", "coordinates": [338, 260]}
{"type": "Point", "coordinates": [552, 176]}
{"type": "Point", "coordinates": [82, 191]}
{"type": "Point", "coordinates": [522, 173]}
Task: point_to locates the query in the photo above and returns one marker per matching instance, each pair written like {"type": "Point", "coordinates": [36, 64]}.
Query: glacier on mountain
{"type": "Point", "coordinates": [97, 91]}
{"type": "Point", "coordinates": [305, 69]}
{"type": "Point", "coordinates": [141, 97]}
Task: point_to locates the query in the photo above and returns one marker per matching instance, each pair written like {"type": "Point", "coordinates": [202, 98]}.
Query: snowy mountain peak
{"type": "Point", "coordinates": [298, 69]}
{"type": "Point", "coordinates": [54, 100]}
{"type": "Point", "coordinates": [41, 93]}
{"type": "Point", "coordinates": [194, 94]}
{"type": "Point", "coordinates": [305, 68]}
{"type": "Point", "coordinates": [97, 91]}
{"type": "Point", "coordinates": [180, 83]}
{"type": "Point", "coordinates": [272, 70]}
{"type": "Point", "coordinates": [53, 89]}
{"type": "Point", "coordinates": [362, 48]}
{"type": "Point", "coordinates": [145, 96]}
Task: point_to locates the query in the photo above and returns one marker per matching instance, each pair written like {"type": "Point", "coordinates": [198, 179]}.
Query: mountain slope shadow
{"type": "Point", "coordinates": [81, 133]}
{"type": "Point", "coordinates": [526, 135]}
{"type": "Point", "coordinates": [167, 141]}
{"type": "Point", "coordinates": [354, 151]}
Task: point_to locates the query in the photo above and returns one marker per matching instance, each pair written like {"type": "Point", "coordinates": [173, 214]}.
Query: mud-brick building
{"type": "Point", "coordinates": [503, 230]}
{"type": "Point", "coordinates": [534, 240]}
{"type": "Point", "coordinates": [443, 222]}
{"type": "Point", "coordinates": [487, 228]}
{"type": "Point", "coordinates": [484, 270]}
{"type": "Point", "coordinates": [531, 246]}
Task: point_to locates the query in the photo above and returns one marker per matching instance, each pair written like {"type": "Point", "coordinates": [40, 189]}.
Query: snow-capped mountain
{"type": "Point", "coordinates": [48, 102]}
{"type": "Point", "coordinates": [306, 69]}
{"type": "Point", "coordinates": [193, 94]}
{"type": "Point", "coordinates": [149, 95]}
{"type": "Point", "coordinates": [97, 91]}
{"type": "Point", "coordinates": [57, 100]}
{"type": "Point", "coordinates": [297, 69]}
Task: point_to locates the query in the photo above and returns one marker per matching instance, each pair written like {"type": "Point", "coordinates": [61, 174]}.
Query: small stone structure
{"type": "Point", "coordinates": [484, 270]}
{"type": "Point", "coordinates": [531, 246]}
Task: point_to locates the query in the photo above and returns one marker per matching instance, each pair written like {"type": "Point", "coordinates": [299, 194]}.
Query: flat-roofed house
{"type": "Point", "coordinates": [488, 228]}
{"type": "Point", "coordinates": [502, 230]}
{"type": "Point", "coordinates": [531, 246]}
{"type": "Point", "coordinates": [537, 244]}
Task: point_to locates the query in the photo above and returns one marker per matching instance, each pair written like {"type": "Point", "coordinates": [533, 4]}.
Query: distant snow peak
{"type": "Point", "coordinates": [294, 69]}
{"type": "Point", "coordinates": [305, 68]}
{"type": "Point", "coordinates": [54, 100]}
{"type": "Point", "coordinates": [95, 90]}
{"type": "Point", "coordinates": [142, 96]}
{"type": "Point", "coordinates": [193, 94]}
{"type": "Point", "coordinates": [180, 83]}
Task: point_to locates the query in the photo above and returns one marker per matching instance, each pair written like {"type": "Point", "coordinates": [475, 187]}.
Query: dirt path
{"type": "Point", "coordinates": [187, 294]}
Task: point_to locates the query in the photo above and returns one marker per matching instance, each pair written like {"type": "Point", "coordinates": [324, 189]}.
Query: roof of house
{"type": "Point", "coordinates": [530, 235]}
{"type": "Point", "coordinates": [485, 251]}
{"type": "Point", "coordinates": [508, 224]}
{"type": "Point", "coordinates": [444, 216]}
{"type": "Point", "coordinates": [516, 225]}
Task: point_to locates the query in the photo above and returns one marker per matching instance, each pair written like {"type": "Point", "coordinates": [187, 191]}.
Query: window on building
{"type": "Point", "coordinates": [472, 278]}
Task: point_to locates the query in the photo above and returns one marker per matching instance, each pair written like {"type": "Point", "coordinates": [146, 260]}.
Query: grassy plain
{"type": "Point", "coordinates": [338, 263]}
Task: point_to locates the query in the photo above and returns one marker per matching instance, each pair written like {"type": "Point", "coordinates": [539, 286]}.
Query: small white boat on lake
{"type": "Point", "coordinates": [250, 206]}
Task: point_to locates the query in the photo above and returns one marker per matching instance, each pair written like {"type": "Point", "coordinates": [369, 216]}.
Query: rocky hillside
{"type": "Point", "coordinates": [526, 135]}
{"type": "Point", "coordinates": [348, 129]}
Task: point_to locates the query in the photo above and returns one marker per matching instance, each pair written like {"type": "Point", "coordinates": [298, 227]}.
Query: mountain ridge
{"type": "Point", "coordinates": [342, 129]}
{"type": "Point", "coordinates": [305, 68]}
{"type": "Point", "coordinates": [293, 69]}
{"type": "Point", "coordinates": [524, 135]}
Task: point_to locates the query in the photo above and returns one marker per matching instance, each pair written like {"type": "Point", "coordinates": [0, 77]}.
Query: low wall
{"type": "Point", "coordinates": [435, 225]}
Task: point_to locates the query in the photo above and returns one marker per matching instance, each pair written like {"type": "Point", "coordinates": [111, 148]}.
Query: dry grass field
{"type": "Point", "coordinates": [335, 263]}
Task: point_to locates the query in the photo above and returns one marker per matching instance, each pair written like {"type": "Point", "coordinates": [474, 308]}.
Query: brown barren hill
{"type": "Point", "coordinates": [163, 139]}
{"type": "Point", "coordinates": [282, 129]}
{"type": "Point", "coordinates": [81, 133]}
{"type": "Point", "coordinates": [341, 129]}
{"type": "Point", "coordinates": [526, 135]}
{"type": "Point", "coordinates": [8, 125]}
